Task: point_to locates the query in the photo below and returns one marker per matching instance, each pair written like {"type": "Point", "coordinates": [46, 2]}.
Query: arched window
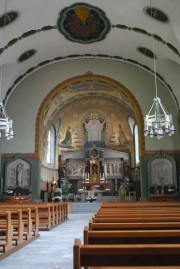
{"type": "Point", "coordinates": [51, 146]}
{"type": "Point", "coordinates": [134, 130]}
{"type": "Point", "coordinates": [136, 144]}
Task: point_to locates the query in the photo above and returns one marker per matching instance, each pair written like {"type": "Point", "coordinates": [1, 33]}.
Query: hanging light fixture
{"type": "Point", "coordinates": [6, 130]}
{"type": "Point", "coordinates": [158, 121]}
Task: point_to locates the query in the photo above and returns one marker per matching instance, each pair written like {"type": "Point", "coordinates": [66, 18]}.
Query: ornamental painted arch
{"type": "Point", "coordinates": [73, 101]}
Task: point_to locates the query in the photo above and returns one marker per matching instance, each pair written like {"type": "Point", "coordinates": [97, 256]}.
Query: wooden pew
{"type": "Point", "coordinates": [29, 217]}
{"type": "Point", "coordinates": [135, 219]}
{"type": "Point", "coordinates": [6, 232]}
{"type": "Point", "coordinates": [127, 226]}
{"type": "Point", "coordinates": [134, 267]}
{"type": "Point", "coordinates": [140, 204]}
{"type": "Point", "coordinates": [143, 211]}
{"type": "Point", "coordinates": [49, 214]}
{"type": "Point", "coordinates": [139, 225]}
{"type": "Point", "coordinates": [125, 255]}
{"type": "Point", "coordinates": [136, 215]}
{"type": "Point", "coordinates": [138, 209]}
{"type": "Point", "coordinates": [16, 231]}
{"type": "Point", "coordinates": [18, 235]}
{"type": "Point", "coordinates": [131, 237]}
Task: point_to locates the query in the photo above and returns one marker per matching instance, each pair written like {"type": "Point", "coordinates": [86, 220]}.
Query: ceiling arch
{"type": "Point", "coordinates": [130, 28]}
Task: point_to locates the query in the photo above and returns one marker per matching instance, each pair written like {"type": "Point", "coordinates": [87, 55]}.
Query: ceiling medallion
{"type": "Point", "coordinates": [83, 23]}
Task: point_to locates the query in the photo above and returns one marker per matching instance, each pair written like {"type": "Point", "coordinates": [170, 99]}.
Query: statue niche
{"type": "Point", "coordinates": [18, 177]}
{"type": "Point", "coordinates": [162, 174]}
{"type": "Point", "coordinates": [94, 171]}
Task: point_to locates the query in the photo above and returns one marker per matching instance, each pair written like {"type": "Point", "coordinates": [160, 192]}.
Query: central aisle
{"type": "Point", "coordinates": [53, 249]}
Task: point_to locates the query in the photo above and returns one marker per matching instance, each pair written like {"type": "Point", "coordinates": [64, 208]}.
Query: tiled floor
{"type": "Point", "coordinates": [53, 249]}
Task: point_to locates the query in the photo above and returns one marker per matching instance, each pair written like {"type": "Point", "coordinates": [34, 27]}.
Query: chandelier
{"type": "Point", "coordinates": [6, 130]}
{"type": "Point", "coordinates": [158, 121]}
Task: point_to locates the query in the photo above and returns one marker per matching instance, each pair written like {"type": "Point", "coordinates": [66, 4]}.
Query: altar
{"type": "Point", "coordinates": [93, 185]}
{"type": "Point", "coordinates": [94, 194]}
{"type": "Point", "coordinates": [94, 168]}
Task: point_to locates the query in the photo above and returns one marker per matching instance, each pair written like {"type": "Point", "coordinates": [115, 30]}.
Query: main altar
{"type": "Point", "coordinates": [94, 185]}
{"type": "Point", "coordinates": [94, 169]}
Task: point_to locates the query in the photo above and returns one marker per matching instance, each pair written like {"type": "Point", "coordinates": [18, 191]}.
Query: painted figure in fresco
{"type": "Point", "coordinates": [19, 174]}
{"type": "Point", "coordinates": [68, 137]}
{"type": "Point", "coordinates": [94, 128]}
{"type": "Point", "coordinates": [122, 136]}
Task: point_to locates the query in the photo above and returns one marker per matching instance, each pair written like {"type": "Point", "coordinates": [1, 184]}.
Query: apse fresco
{"type": "Point", "coordinates": [84, 101]}
{"type": "Point", "coordinates": [101, 120]}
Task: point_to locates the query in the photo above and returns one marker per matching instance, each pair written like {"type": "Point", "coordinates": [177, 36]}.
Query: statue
{"type": "Point", "coordinates": [19, 175]}
{"type": "Point", "coordinates": [122, 192]}
{"type": "Point", "coordinates": [95, 172]}
{"type": "Point", "coordinates": [53, 185]}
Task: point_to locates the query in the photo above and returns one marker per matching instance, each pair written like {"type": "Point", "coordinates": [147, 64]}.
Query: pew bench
{"type": "Point", "coordinates": [6, 232]}
{"type": "Point", "coordinates": [142, 211]}
{"type": "Point", "coordinates": [18, 234]}
{"type": "Point", "coordinates": [167, 210]}
{"type": "Point", "coordinates": [140, 204]}
{"type": "Point", "coordinates": [29, 217]}
{"type": "Point", "coordinates": [139, 225]}
{"type": "Point", "coordinates": [131, 237]}
{"type": "Point", "coordinates": [134, 267]}
{"type": "Point", "coordinates": [13, 233]}
{"type": "Point", "coordinates": [125, 255]}
{"type": "Point", "coordinates": [23, 232]}
{"type": "Point", "coordinates": [135, 219]}
{"type": "Point", "coordinates": [137, 215]}
{"type": "Point", "coordinates": [49, 214]}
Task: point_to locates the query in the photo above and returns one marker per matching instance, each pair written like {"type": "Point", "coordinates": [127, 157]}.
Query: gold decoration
{"type": "Point", "coordinates": [82, 12]}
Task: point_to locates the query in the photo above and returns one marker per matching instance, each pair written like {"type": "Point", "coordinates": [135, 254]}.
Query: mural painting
{"type": "Point", "coordinates": [75, 105]}
{"type": "Point", "coordinates": [94, 127]}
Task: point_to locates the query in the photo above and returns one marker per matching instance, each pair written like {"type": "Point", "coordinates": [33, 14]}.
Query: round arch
{"type": "Point", "coordinates": [85, 90]}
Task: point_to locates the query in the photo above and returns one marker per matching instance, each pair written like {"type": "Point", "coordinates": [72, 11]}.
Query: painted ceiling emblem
{"type": "Point", "coordinates": [83, 23]}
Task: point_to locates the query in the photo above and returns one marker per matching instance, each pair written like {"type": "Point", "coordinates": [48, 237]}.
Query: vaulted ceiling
{"type": "Point", "coordinates": [37, 33]}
